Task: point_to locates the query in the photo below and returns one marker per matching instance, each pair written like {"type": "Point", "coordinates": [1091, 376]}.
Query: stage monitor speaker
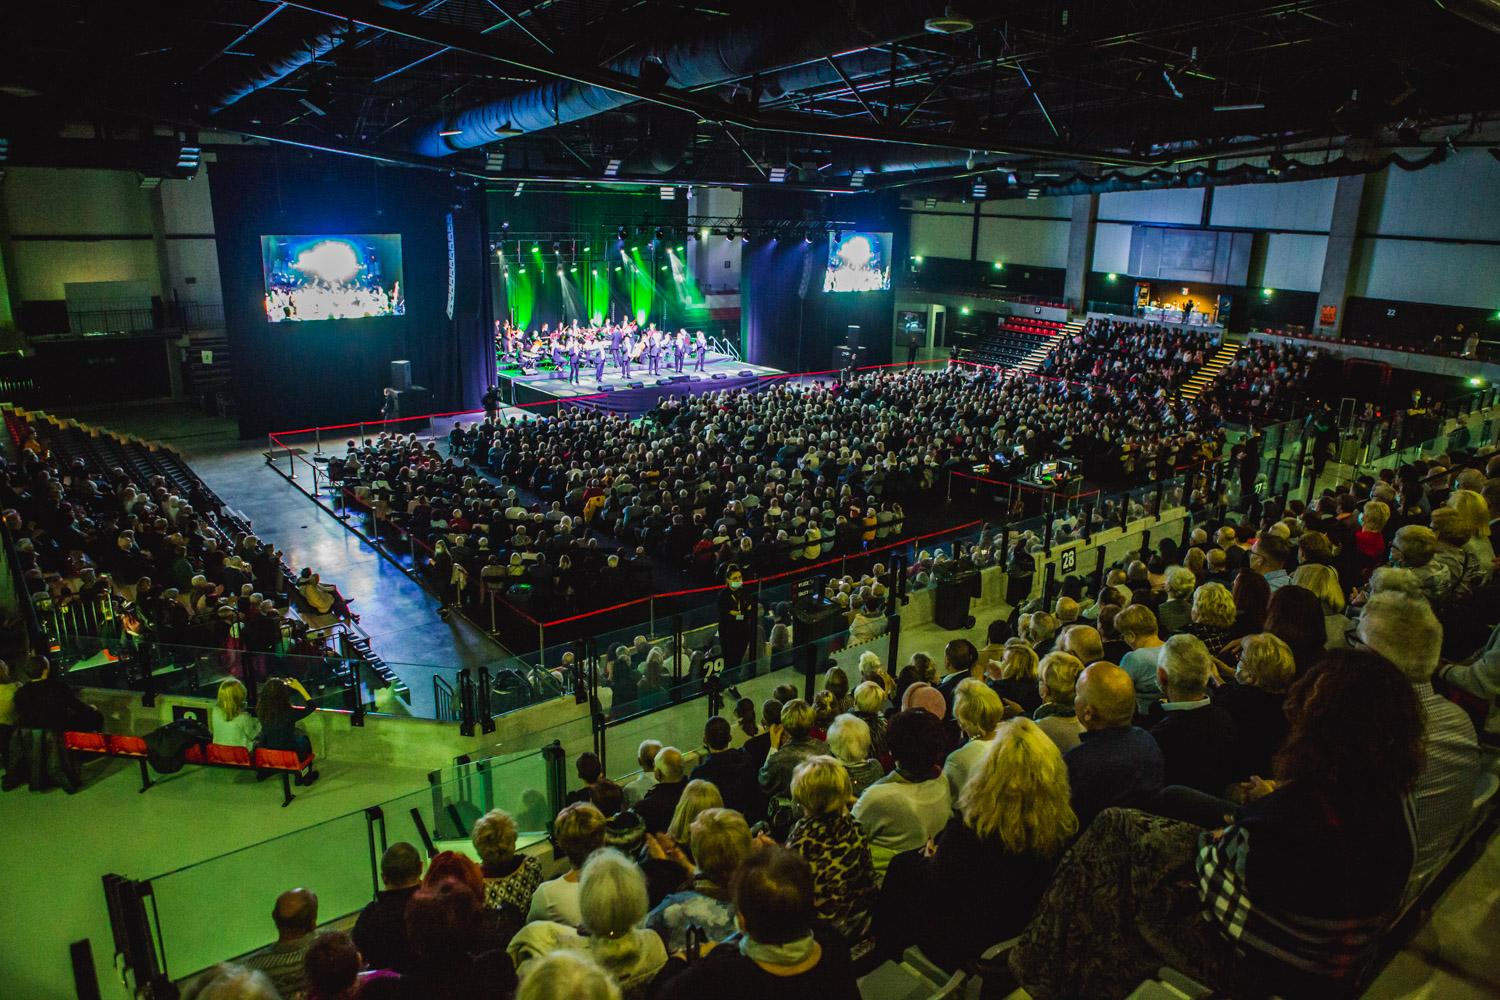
{"type": "Point", "coordinates": [852, 338]}
{"type": "Point", "coordinates": [746, 373]}
{"type": "Point", "coordinates": [637, 385]}
{"type": "Point", "coordinates": [680, 378]}
{"type": "Point", "coordinates": [717, 376]}
{"type": "Point", "coordinates": [665, 381]}
{"type": "Point", "coordinates": [401, 375]}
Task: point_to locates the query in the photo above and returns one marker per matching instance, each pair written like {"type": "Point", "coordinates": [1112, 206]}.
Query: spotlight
{"type": "Point", "coordinates": [917, 259]}
{"type": "Point", "coordinates": [807, 238]}
{"type": "Point", "coordinates": [1112, 277]}
{"type": "Point", "coordinates": [681, 249]}
{"type": "Point", "coordinates": [659, 233]}
{"type": "Point", "coordinates": [744, 237]}
{"type": "Point", "coordinates": [964, 309]}
{"type": "Point", "coordinates": [556, 246]}
{"type": "Point", "coordinates": [703, 233]}
{"type": "Point", "coordinates": [536, 248]}
{"type": "Point", "coordinates": [1266, 293]}
{"type": "Point", "coordinates": [999, 265]}
{"type": "Point", "coordinates": [505, 227]}
{"type": "Point", "coordinates": [559, 272]}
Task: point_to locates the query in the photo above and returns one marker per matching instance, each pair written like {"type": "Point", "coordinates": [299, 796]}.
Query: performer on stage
{"type": "Point", "coordinates": [653, 350]}
{"type": "Point", "coordinates": [616, 335]}
{"type": "Point", "coordinates": [627, 354]}
{"type": "Point", "coordinates": [575, 359]}
{"type": "Point", "coordinates": [679, 349]}
{"type": "Point", "coordinates": [701, 346]}
{"type": "Point", "coordinates": [596, 356]}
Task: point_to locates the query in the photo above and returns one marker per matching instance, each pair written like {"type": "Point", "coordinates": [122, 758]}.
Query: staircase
{"type": "Point", "coordinates": [1032, 363]}
{"type": "Point", "coordinates": [1211, 370]}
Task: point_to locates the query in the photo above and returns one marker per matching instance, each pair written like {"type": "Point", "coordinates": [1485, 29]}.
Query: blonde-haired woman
{"type": "Point", "coordinates": [509, 878]}
{"type": "Point", "coordinates": [1323, 581]}
{"type": "Point", "coordinates": [834, 845]}
{"type": "Point", "coordinates": [229, 721]}
{"type": "Point", "coordinates": [1469, 557]}
{"type": "Point", "coordinates": [1014, 822]}
{"type": "Point", "coordinates": [1057, 682]}
{"type": "Point", "coordinates": [1014, 676]}
{"type": "Point", "coordinates": [1213, 616]}
{"type": "Point", "coordinates": [696, 797]}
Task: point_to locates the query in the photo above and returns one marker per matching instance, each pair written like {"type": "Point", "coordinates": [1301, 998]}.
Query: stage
{"type": "Point", "coordinates": [634, 395]}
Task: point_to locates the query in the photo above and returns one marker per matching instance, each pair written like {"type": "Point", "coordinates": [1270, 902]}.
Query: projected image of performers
{"type": "Point", "coordinates": [332, 277]}
{"type": "Point", "coordinates": [858, 262]}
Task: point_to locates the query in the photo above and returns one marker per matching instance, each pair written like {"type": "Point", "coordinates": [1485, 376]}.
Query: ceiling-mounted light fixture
{"type": "Point", "coordinates": [494, 161]}
{"type": "Point", "coordinates": [612, 168]}
{"type": "Point", "coordinates": [980, 189]}
{"type": "Point", "coordinates": [667, 192]}
{"type": "Point", "coordinates": [857, 179]}
{"type": "Point", "coordinates": [778, 175]}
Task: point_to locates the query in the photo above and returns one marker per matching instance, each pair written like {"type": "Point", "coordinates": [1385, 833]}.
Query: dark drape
{"type": "Point", "coordinates": [289, 375]}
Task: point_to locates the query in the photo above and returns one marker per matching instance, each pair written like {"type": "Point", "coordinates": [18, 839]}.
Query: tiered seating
{"type": "Point", "coordinates": [264, 762]}
{"type": "Point", "coordinates": [1014, 342]}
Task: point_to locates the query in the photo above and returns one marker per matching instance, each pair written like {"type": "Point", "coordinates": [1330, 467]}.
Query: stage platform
{"type": "Point", "coordinates": [634, 395]}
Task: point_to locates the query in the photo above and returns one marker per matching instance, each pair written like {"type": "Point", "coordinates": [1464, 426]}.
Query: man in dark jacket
{"type": "Point", "coordinates": [380, 930]}
{"type": "Point", "coordinates": [730, 771]}
{"type": "Point", "coordinates": [1116, 763]}
{"type": "Point", "coordinates": [47, 702]}
{"type": "Point", "coordinates": [1196, 737]}
{"type": "Point", "coordinates": [657, 806]}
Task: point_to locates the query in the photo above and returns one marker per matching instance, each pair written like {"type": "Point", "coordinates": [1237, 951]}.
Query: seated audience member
{"type": "Point", "coordinates": [1295, 615]}
{"type": "Point", "coordinates": [1404, 630]}
{"type": "Point", "coordinates": [1251, 598]}
{"type": "Point", "coordinates": [1173, 614]}
{"type": "Point", "coordinates": [1212, 616]}
{"type": "Point", "coordinates": [1474, 521]}
{"type": "Point", "coordinates": [380, 930]}
{"type": "Point", "coordinates": [1081, 641]}
{"type": "Point", "coordinates": [1014, 821]}
{"type": "Point", "coordinates": [835, 846]}
{"type": "Point", "coordinates": [589, 771]}
{"type": "Point", "coordinates": [1196, 737]}
{"type": "Point", "coordinates": [995, 638]}
{"type": "Point", "coordinates": [1414, 547]}
{"type": "Point", "coordinates": [907, 807]}
{"type": "Point", "coordinates": [1369, 540]}
{"type": "Point", "coordinates": [446, 928]}
{"type": "Point", "coordinates": [296, 919]}
{"type": "Point", "coordinates": [229, 722]}
{"type": "Point", "coordinates": [49, 702]}
{"type": "Point", "coordinates": [1057, 682]}
{"type": "Point", "coordinates": [1323, 582]}
{"type": "Point", "coordinates": [331, 968]}
{"type": "Point", "coordinates": [1115, 648]}
{"type": "Point", "coordinates": [1013, 678]}
{"type": "Point", "coordinates": [1256, 701]}
{"type": "Point", "coordinates": [1468, 567]}
{"type": "Point", "coordinates": [1270, 557]}
{"type": "Point", "coordinates": [979, 711]}
{"type": "Point", "coordinates": [870, 700]}
{"type": "Point", "coordinates": [795, 745]}
{"type": "Point", "coordinates": [645, 756]}
{"type": "Point", "coordinates": [1137, 627]}
{"type": "Point", "coordinates": [849, 740]}
{"type": "Point", "coordinates": [496, 925]}
{"type": "Point", "coordinates": [1115, 762]}
{"type": "Point", "coordinates": [758, 744]}
{"type": "Point", "coordinates": [509, 878]}
{"type": "Point", "coordinates": [1297, 891]}
{"type": "Point", "coordinates": [657, 806]}
{"type": "Point", "coordinates": [960, 661]}
{"type": "Point", "coordinates": [784, 952]}
{"type": "Point", "coordinates": [227, 981]}
{"type": "Point", "coordinates": [278, 723]}
{"type": "Point", "coordinates": [1041, 632]}
{"type": "Point", "coordinates": [566, 975]}
{"type": "Point", "coordinates": [730, 770]}
{"type": "Point", "coordinates": [623, 829]}
{"type": "Point", "coordinates": [697, 795]}
{"type": "Point", "coordinates": [579, 832]}
{"type": "Point", "coordinates": [719, 840]}
{"type": "Point", "coordinates": [612, 904]}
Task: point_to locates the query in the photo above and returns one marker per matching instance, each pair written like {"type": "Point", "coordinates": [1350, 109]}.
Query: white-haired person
{"type": "Point", "coordinates": [1467, 566]}
{"type": "Point", "coordinates": [979, 712]}
{"type": "Point", "coordinates": [1415, 547]}
{"type": "Point", "coordinates": [871, 669]}
{"type": "Point", "coordinates": [612, 904]}
{"type": "Point", "coordinates": [1212, 616]}
{"type": "Point", "coordinates": [1196, 736]}
{"type": "Point", "coordinates": [1323, 581]}
{"type": "Point", "coordinates": [509, 878]}
{"type": "Point", "coordinates": [834, 845]}
{"type": "Point", "coordinates": [1057, 683]}
{"type": "Point", "coordinates": [1174, 613]}
{"type": "Point", "coordinates": [566, 975]}
{"type": "Point", "coordinates": [1256, 700]}
{"type": "Point", "coordinates": [1405, 631]}
{"type": "Point", "coordinates": [719, 840]}
{"type": "Point", "coordinates": [1013, 822]}
{"type": "Point", "coordinates": [849, 740]}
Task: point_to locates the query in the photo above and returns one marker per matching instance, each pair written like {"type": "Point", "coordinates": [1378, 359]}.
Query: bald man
{"type": "Point", "coordinates": [296, 919]}
{"type": "Point", "coordinates": [1115, 762]}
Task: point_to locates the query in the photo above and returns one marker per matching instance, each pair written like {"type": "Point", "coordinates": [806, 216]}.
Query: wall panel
{"type": "Point", "coordinates": [44, 266]}
{"type": "Point", "coordinates": [1441, 273]}
{"type": "Point", "coordinates": [187, 206]}
{"type": "Point", "coordinates": [1173, 206]}
{"type": "Point", "coordinates": [1456, 199]}
{"type": "Point", "coordinates": [941, 235]}
{"type": "Point", "coordinates": [196, 259]}
{"type": "Point", "coordinates": [1294, 261]}
{"type": "Point", "coordinates": [1024, 241]}
{"type": "Point", "coordinates": [1299, 205]}
{"type": "Point", "coordinates": [1112, 248]}
{"type": "Point", "coordinates": [54, 202]}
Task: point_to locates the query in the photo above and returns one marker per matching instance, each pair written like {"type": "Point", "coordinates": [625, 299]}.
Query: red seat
{"type": "Point", "coordinates": [280, 760]}
{"type": "Point", "coordinates": [227, 756]}
{"type": "Point", "coordinates": [86, 742]}
{"type": "Point", "coordinates": [193, 754]}
{"type": "Point", "coordinates": [127, 746]}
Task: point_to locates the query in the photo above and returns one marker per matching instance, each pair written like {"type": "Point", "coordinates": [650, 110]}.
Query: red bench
{"type": "Point", "coordinates": [264, 762]}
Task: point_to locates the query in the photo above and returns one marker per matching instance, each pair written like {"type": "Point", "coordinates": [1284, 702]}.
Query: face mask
{"type": "Point", "coordinates": [736, 584]}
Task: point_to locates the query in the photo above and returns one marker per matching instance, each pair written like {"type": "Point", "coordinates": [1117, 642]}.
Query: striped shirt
{"type": "Point", "coordinates": [1444, 795]}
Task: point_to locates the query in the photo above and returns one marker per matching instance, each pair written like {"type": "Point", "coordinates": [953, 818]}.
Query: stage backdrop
{"type": "Point", "coordinates": [290, 375]}
{"type": "Point", "coordinates": [787, 320]}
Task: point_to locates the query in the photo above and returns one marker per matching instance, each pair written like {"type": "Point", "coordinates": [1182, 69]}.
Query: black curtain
{"type": "Point", "coordinates": [289, 375]}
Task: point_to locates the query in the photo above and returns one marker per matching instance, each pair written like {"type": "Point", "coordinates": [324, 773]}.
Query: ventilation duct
{"type": "Point", "coordinates": [283, 46]}
{"type": "Point", "coordinates": [796, 35]}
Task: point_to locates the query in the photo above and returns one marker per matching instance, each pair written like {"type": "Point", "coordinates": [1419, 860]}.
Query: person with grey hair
{"type": "Point", "coordinates": [1404, 630]}
{"type": "Point", "coordinates": [1196, 737]}
{"type": "Point", "coordinates": [566, 975]}
{"type": "Point", "coordinates": [657, 806]}
{"type": "Point", "coordinates": [849, 739]}
{"type": "Point", "coordinates": [296, 919]}
{"type": "Point", "coordinates": [791, 744]}
{"type": "Point", "coordinates": [612, 901]}
{"type": "Point", "coordinates": [1415, 547]}
{"type": "Point", "coordinates": [1173, 614]}
{"type": "Point", "coordinates": [645, 756]}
